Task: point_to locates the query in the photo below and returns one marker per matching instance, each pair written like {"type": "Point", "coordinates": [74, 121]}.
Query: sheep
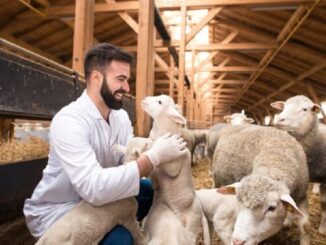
{"type": "Point", "coordinates": [238, 118]}
{"type": "Point", "coordinates": [214, 132]}
{"type": "Point", "coordinates": [198, 137]}
{"type": "Point", "coordinates": [87, 224]}
{"type": "Point", "coordinates": [220, 211]}
{"type": "Point", "coordinates": [173, 183]}
{"type": "Point", "coordinates": [299, 118]}
{"type": "Point", "coordinates": [270, 172]}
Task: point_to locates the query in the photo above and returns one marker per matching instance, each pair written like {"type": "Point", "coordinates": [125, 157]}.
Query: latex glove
{"type": "Point", "coordinates": [166, 148]}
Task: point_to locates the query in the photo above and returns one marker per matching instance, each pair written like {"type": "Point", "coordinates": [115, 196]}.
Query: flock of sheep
{"type": "Point", "coordinates": [260, 174]}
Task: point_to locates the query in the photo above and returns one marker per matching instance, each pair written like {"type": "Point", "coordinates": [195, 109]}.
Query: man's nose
{"type": "Point", "coordinates": [126, 86]}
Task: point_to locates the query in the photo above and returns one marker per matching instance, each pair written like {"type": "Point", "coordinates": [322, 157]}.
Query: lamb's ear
{"type": "Point", "coordinates": [228, 189]}
{"type": "Point", "coordinates": [249, 120]}
{"type": "Point", "coordinates": [176, 116]}
{"type": "Point", "coordinates": [290, 205]}
{"type": "Point", "coordinates": [227, 118]}
{"type": "Point", "coordinates": [279, 105]}
{"type": "Point", "coordinates": [119, 148]}
{"type": "Point", "coordinates": [316, 108]}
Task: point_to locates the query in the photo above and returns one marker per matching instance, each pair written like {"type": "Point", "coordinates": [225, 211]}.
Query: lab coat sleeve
{"type": "Point", "coordinates": [95, 184]}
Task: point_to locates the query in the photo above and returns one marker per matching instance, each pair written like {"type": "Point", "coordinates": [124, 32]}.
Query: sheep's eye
{"type": "Point", "coordinates": [271, 208]}
{"type": "Point", "coordinates": [304, 109]}
{"type": "Point", "coordinates": [160, 102]}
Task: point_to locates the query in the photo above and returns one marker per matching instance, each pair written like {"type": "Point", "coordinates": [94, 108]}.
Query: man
{"type": "Point", "coordinates": [81, 162]}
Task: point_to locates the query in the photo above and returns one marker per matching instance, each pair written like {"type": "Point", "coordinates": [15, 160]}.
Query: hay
{"type": "Point", "coordinates": [31, 148]}
{"type": "Point", "coordinates": [287, 236]}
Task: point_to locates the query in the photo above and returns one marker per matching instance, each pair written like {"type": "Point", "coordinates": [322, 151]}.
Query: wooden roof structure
{"type": "Point", "coordinates": [259, 51]}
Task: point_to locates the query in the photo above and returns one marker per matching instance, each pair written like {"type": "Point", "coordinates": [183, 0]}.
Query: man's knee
{"type": "Point", "coordinates": [118, 235]}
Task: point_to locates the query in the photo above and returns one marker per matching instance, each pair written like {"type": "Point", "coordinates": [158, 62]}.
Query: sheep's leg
{"type": "Point", "coordinates": [322, 227]}
{"type": "Point", "coordinates": [304, 224]}
{"type": "Point", "coordinates": [133, 227]}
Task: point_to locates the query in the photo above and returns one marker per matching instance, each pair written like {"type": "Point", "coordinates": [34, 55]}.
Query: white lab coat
{"type": "Point", "coordinates": [79, 164]}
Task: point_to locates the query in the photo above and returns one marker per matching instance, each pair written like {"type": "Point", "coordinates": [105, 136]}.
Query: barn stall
{"type": "Point", "coordinates": [213, 57]}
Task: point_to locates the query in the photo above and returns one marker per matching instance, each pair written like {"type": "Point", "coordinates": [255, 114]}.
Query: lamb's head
{"type": "Point", "coordinates": [238, 118]}
{"type": "Point", "coordinates": [262, 207]}
{"type": "Point", "coordinates": [298, 116]}
{"type": "Point", "coordinates": [162, 105]}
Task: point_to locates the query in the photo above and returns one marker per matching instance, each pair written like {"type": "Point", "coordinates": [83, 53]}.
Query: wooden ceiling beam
{"type": "Point", "coordinates": [133, 6]}
{"type": "Point", "coordinates": [290, 84]}
{"type": "Point", "coordinates": [232, 69]}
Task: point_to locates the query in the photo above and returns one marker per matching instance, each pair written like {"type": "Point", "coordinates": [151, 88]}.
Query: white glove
{"type": "Point", "coordinates": [166, 148]}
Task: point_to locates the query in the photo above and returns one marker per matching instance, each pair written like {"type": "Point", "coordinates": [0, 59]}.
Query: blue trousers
{"type": "Point", "coordinates": [120, 235]}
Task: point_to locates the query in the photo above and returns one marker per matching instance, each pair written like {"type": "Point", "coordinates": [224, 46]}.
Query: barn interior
{"type": "Point", "coordinates": [213, 57]}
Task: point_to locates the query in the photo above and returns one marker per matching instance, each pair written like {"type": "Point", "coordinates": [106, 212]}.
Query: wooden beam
{"type": "Point", "coordinates": [286, 33]}
{"type": "Point", "coordinates": [171, 81]}
{"type": "Point", "coordinates": [133, 6]}
{"type": "Point", "coordinates": [182, 73]}
{"type": "Point", "coordinates": [211, 14]}
{"type": "Point", "coordinates": [231, 82]}
{"type": "Point", "coordinates": [232, 69]}
{"type": "Point", "coordinates": [290, 84]}
{"type": "Point", "coordinates": [83, 33]}
{"type": "Point", "coordinates": [28, 46]}
{"type": "Point", "coordinates": [145, 64]}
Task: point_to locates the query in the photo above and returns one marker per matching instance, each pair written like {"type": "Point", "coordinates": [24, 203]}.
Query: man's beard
{"type": "Point", "coordinates": [108, 96]}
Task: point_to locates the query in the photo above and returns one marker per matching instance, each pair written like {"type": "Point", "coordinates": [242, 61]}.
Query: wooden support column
{"type": "Point", "coordinates": [171, 81]}
{"type": "Point", "coordinates": [145, 64]}
{"type": "Point", "coordinates": [191, 99]}
{"type": "Point", "coordinates": [83, 32]}
{"type": "Point", "coordinates": [182, 55]}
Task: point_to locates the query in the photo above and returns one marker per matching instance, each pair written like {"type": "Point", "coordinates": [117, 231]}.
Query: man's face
{"type": "Point", "coordinates": [115, 84]}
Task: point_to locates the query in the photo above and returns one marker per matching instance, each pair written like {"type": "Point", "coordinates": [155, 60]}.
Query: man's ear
{"type": "Point", "coordinates": [97, 77]}
{"type": "Point", "coordinates": [229, 189]}
{"type": "Point", "coordinates": [290, 205]}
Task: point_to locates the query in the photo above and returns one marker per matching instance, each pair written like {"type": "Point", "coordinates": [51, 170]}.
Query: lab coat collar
{"type": "Point", "coordinates": [89, 106]}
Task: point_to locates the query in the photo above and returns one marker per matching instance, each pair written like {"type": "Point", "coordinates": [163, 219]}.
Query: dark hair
{"type": "Point", "coordinates": [101, 55]}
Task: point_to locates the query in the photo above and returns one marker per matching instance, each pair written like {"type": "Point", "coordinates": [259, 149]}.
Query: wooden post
{"type": "Point", "coordinates": [145, 63]}
{"type": "Point", "coordinates": [192, 84]}
{"type": "Point", "coordinates": [83, 32]}
{"type": "Point", "coordinates": [171, 81]}
{"type": "Point", "coordinates": [182, 55]}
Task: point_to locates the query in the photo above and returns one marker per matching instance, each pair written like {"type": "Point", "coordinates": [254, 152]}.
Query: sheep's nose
{"type": "Point", "coordinates": [282, 119]}
{"type": "Point", "coordinates": [238, 242]}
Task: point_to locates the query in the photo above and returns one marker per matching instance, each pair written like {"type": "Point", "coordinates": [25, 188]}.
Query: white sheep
{"type": "Point", "coordinates": [173, 183]}
{"type": "Point", "coordinates": [270, 170]}
{"type": "Point", "coordinates": [299, 118]}
{"type": "Point", "coordinates": [87, 224]}
{"type": "Point", "coordinates": [220, 211]}
{"type": "Point", "coordinates": [238, 118]}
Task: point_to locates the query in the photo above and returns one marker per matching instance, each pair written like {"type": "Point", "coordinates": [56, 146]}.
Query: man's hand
{"type": "Point", "coordinates": [166, 148]}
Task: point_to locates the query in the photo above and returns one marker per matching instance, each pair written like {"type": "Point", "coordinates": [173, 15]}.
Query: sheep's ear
{"type": "Point", "coordinates": [290, 205]}
{"type": "Point", "coordinates": [119, 148]}
{"type": "Point", "coordinates": [316, 108]}
{"type": "Point", "coordinates": [249, 120]}
{"type": "Point", "coordinates": [176, 116]}
{"type": "Point", "coordinates": [227, 118]}
{"type": "Point", "coordinates": [229, 189]}
{"type": "Point", "coordinates": [279, 105]}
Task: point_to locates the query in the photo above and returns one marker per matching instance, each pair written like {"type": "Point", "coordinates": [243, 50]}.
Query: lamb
{"type": "Point", "coordinates": [270, 172]}
{"type": "Point", "coordinates": [87, 224]}
{"type": "Point", "coordinates": [174, 194]}
{"type": "Point", "coordinates": [220, 211]}
{"type": "Point", "coordinates": [238, 118]}
{"type": "Point", "coordinates": [299, 118]}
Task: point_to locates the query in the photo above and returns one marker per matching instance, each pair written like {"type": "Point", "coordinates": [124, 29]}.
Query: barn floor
{"type": "Point", "coordinates": [287, 236]}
